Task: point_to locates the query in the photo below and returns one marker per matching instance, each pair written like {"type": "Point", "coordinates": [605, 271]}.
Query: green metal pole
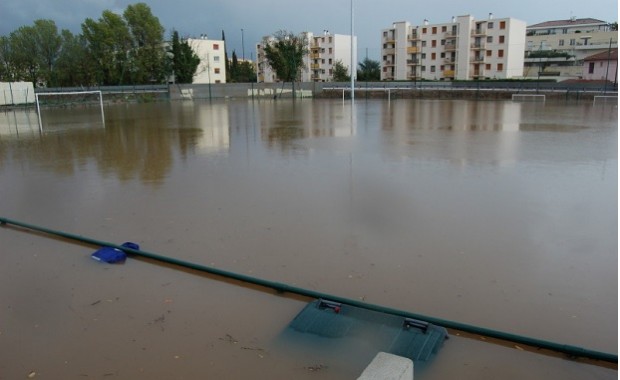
{"type": "Point", "coordinates": [285, 288]}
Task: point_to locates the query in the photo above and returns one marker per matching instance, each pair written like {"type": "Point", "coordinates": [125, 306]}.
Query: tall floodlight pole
{"type": "Point", "coordinates": [242, 46]}
{"type": "Point", "coordinates": [352, 56]}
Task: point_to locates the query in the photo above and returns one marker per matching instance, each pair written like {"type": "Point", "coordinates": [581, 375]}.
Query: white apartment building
{"type": "Point", "coordinates": [462, 49]}
{"type": "Point", "coordinates": [326, 50]}
{"type": "Point", "coordinates": [577, 37]}
{"type": "Point", "coordinates": [323, 52]}
{"type": "Point", "coordinates": [212, 66]}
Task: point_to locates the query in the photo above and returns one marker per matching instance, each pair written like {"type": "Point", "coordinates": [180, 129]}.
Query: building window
{"type": "Point", "coordinates": [423, 55]}
{"type": "Point", "coordinates": [433, 69]}
{"type": "Point", "coordinates": [444, 28]}
{"type": "Point", "coordinates": [443, 42]}
{"type": "Point", "coordinates": [442, 55]}
{"type": "Point", "coordinates": [423, 30]}
{"type": "Point", "coordinates": [423, 68]}
{"type": "Point", "coordinates": [500, 67]}
{"type": "Point", "coordinates": [216, 58]}
{"type": "Point", "coordinates": [488, 66]}
{"type": "Point", "coordinates": [217, 70]}
{"type": "Point", "coordinates": [591, 68]}
{"type": "Point", "coordinates": [500, 53]}
{"type": "Point", "coordinates": [330, 50]}
{"type": "Point", "coordinates": [385, 34]}
{"type": "Point", "coordinates": [330, 40]}
{"type": "Point", "coordinates": [501, 39]}
{"type": "Point", "coordinates": [565, 31]}
{"type": "Point", "coordinates": [218, 81]}
{"type": "Point", "coordinates": [434, 43]}
{"type": "Point", "coordinates": [489, 25]}
{"type": "Point", "coordinates": [561, 43]}
{"type": "Point", "coordinates": [216, 47]}
{"type": "Point", "coordinates": [323, 61]}
{"type": "Point", "coordinates": [489, 53]}
{"type": "Point", "coordinates": [330, 61]}
{"type": "Point", "coordinates": [490, 39]}
{"type": "Point", "coordinates": [434, 30]}
{"type": "Point", "coordinates": [423, 43]}
{"type": "Point", "coordinates": [433, 55]}
{"type": "Point", "coordinates": [572, 42]}
{"type": "Point", "coordinates": [502, 24]}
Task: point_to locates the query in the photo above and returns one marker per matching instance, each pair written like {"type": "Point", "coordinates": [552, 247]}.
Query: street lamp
{"type": "Point", "coordinates": [242, 46]}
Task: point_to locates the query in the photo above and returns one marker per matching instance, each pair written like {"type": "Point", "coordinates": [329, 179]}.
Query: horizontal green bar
{"type": "Point", "coordinates": [281, 287]}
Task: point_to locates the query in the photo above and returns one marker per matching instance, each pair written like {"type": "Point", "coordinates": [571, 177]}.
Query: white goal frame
{"type": "Point", "coordinates": [528, 97]}
{"type": "Point", "coordinates": [605, 97]}
{"type": "Point", "coordinates": [69, 93]}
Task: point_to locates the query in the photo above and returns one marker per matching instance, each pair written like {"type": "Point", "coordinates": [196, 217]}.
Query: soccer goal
{"type": "Point", "coordinates": [528, 97]}
{"type": "Point", "coordinates": [69, 98]}
{"type": "Point", "coordinates": [605, 99]}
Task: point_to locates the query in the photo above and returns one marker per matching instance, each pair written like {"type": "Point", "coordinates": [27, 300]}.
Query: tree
{"type": "Point", "coordinates": [147, 54]}
{"type": "Point", "coordinates": [284, 53]}
{"type": "Point", "coordinates": [184, 60]}
{"type": "Point", "coordinates": [47, 42]}
{"type": "Point", "coordinates": [7, 69]}
{"type": "Point", "coordinates": [226, 63]}
{"type": "Point", "coordinates": [369, 70]}
{"type": "Point", "coordinates": [109, 42]}
{"type": "Point", "coordinates": [241, 72]}
{"type": "Point", "coordinates": [341, 72]}
{"type": "Point", "coordinates": [23, 47]}
{"type": "Point", "coordinates": [73, 67]}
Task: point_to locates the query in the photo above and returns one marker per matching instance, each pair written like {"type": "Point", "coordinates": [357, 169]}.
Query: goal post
{"type": "Point", "coordinates": [63, 96]}
{"type": "Point", "coordinates": [605, 99]}
{"type": "Point", "coordinates": [528, 97]}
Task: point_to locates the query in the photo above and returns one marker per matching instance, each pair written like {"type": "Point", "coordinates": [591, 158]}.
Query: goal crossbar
{"type": "Point", "coordinates": [529, 97]}
{"type": "Point", "coordinates": [69, 93]}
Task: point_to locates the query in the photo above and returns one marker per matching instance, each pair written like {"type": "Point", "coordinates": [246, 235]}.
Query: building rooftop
{"type": "Point", "coordinates": [612, 55]}
{"type": "Point", "coordinates": [569, 22]}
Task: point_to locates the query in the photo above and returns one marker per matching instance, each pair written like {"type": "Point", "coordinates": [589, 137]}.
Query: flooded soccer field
{"type": "Point", "coordinates": [497, 214]}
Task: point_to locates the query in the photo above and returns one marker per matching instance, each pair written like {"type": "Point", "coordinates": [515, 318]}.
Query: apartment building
{"type": "Point", "coordinates": [212, 66]}
{"type": "Point", "coordinates": [462, 49]}
{"type": "Point", "coordinates": [559, 47]}
{"type": "Point", "coordinates": [324, 51]}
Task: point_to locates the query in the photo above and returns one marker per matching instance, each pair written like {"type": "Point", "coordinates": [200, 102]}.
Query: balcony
{"type": "Point", "coordinates": [449, 61]}
{"type": "Point", "coordinates": [388, 51]}
{"type": "Point", "coordinates": [314, 56]}
{"type": "Point", "coordinates": [478, 46]}
{"type": "Point", "coordinates": [389, 40]}
{"type": "Point", "coordinates": [412, 49]}
{"type": "Point", "coordinates": [388, 63]}
{"type": "Point", "coordinates": [413, 37]}
{"type": "Point", "coordinates": [450, 35]}
{"type": "Point", "coordinates": [413, 62]}
{"type": "Point", "coordinates": [449, 47]}
{"type": "Point", "coordinates": [314, 66]}
{"type": "Point", "coordinates": [412, 76]}
{"type": "Point", "coordinates": [448, 73]}
{"type": "Point", "coordinates": [477, 59]}
{"type": "Point", "coordinates": [478, 32]}
{"type": "Point", "coordinates": [478, 73]}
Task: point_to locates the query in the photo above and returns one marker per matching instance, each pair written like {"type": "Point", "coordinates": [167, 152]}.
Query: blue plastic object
{"type": "Point", "coordinates": [113, 255]}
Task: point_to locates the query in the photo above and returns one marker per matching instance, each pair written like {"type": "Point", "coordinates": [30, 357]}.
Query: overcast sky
{"type": "Point", "coordinates": [263, 17]}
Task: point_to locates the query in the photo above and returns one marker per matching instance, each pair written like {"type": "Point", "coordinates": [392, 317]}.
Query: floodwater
{"type": "Point", "coordinates": [495, 214]}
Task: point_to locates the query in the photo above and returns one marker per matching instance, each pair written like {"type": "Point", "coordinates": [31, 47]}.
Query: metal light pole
{"type": "Point", "coordinates": [352, 56]}
{"type": "Point", "coordinates": [242, 46]}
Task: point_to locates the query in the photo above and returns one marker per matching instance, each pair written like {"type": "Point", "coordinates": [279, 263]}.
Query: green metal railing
{"type": "Point", "coordinates": [570, 350]}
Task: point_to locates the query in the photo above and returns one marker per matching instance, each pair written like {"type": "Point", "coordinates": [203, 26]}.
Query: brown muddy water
{"type": "Point", "coordinates": [495, 214]}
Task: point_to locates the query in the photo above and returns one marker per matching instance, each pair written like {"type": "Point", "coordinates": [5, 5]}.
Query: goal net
{"type": "Point", "coordinates": [605, 99]}
{"type": "Point", "coordinates": [68, 99]}
{"type": "Point", "coordinates": [528, 97]}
